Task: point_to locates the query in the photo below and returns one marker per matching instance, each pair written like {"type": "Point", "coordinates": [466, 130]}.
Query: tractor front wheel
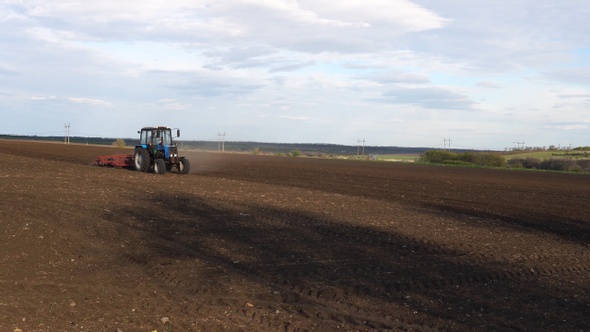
{"type": "Point", "coordinates": [142, 160]}
{"type": "Point", "coordinates": [184, 166]}
{"type": "Point", "coordinates": [159, 166]}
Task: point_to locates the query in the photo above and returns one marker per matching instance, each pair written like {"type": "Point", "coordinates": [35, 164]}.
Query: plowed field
{"type": "Point", "coordinates": [260, 243]}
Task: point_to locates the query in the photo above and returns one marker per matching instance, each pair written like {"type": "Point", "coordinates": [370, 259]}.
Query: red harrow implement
{"type": "Point", "coordinates": [117, 160]}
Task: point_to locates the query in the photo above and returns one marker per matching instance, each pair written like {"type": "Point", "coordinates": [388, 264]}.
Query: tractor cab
{"type": "Point", "coordinates": [156, 136]}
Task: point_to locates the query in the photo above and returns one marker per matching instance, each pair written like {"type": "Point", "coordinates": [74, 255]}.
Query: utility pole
{"type": "Point", "coordinates": [445, 144]}
{"type": "Point", "coordinates": [66, 133]}
{"type": "Point", "coordinates": [363, 147]}
{"type": "Point", "coordinates": [221, 142]}
{"type": "Point", "coordinates": [358, 150]}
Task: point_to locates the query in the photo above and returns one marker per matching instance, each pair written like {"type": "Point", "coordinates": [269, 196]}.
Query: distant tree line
{"type": "Point", "coordinates": [304, 148]}
{"type": "Point", "coordinates": [488, 159]}
{"type": "Point", "coordinates": [494, 159]}
{"type": "Point", "coordinates": [73, 139]}
{"type": "Point", "coordinates": [550, 148]}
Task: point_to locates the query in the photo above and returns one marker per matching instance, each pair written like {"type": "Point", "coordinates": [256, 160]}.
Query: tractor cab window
{"type": "Point", "coordinates": [154, 137]}
{"type": "Point", "coordinates": [166, 137]}
{"type": "Point", "coordinates": [143, 139]}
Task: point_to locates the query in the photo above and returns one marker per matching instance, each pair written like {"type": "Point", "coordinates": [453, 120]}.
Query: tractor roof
{"type": "Point", "coordinates": [155, 128]}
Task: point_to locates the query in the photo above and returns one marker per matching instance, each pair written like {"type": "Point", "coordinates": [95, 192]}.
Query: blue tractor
{"type": "Point", "coordinates": [158, 152]}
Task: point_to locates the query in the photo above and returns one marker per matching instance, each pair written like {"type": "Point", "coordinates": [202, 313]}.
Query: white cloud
{"type": "Point", "coordinates": [429, 98]}
{"type": "Point", "coordinates": [402, 14]}
{"type": "Point", "coordinates": [294, 117]}
{"type": "Point", "coordinates": [43, 97]}
{"type": "Point", "coordinates": [568, 126]}
{"type": "Point", "coordinates": [90, 101]}
{"type": "Point", "coordinates": [569, 75]}
{"type": "Point", "coordinates": [488, 84]}
{"type": "Point", "coordinates": [573, 95]}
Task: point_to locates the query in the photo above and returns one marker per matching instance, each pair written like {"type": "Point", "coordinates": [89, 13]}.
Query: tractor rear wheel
{"type": "Point", "coordinates": [159, 166]}
{"type": "Point", "coordinates": [142, 160]}
{"type": "Point", "coordinates": [184, 166]}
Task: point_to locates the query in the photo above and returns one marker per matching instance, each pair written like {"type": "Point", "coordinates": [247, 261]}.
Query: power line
{"type": "Point", "coordinates": [518, 145]}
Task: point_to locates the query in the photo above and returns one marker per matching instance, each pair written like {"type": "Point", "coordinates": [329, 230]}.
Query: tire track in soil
{"type": "Point", "coordinates": [375, 237]}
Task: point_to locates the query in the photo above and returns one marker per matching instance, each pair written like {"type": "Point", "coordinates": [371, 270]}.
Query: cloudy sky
{"type": "Point", "coordinates": [484, 74]}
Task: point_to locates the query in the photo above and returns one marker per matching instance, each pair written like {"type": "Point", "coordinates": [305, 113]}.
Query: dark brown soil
{"type": "Point", "coordinates": [259, 243]}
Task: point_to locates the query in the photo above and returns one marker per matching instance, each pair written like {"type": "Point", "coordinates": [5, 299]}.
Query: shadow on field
{"type": "Point", "coordinates": [333, 272]}
{"type": "Point", "coordinates": [566, 228]}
